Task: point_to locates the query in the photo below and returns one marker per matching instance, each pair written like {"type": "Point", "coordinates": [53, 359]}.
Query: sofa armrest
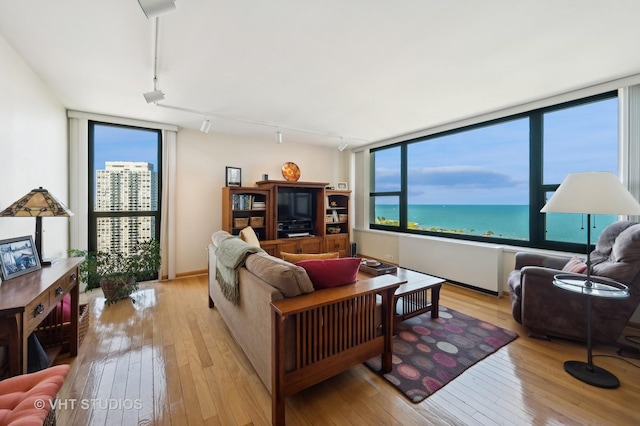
{"type": "Point", "coordinates": [335, 329]}
{"type": "Point", "coordinates": [535, 259]}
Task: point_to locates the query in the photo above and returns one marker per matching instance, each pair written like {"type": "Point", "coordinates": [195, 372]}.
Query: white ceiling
{"type": "Point", "coordinates": [366, 70]}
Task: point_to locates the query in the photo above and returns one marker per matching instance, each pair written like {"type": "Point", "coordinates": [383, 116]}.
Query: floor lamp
{"type": "Point", "coordinates": [38, 203]}
{"type": "Point", "coordinates": [591, 193]}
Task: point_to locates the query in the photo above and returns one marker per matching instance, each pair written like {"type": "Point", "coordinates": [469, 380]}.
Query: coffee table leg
{"type": "Point", "coordinates": [435, 301]}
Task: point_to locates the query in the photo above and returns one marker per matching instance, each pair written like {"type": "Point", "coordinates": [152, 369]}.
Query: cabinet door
{"type": "Point", "coordinates": [311, 245]}
{"type": "Point", "coordinates": [289, 246]}
{"type": "Point", "coordinates": [339, 243]}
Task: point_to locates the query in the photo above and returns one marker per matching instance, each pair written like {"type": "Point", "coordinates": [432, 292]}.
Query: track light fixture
{"type": "Point", "coordinates": [154, 96]}
{"type": "Point", "coordinates": [206, 126]}
{"type": "Point", "coordinates": [278, 136]}
{"type": "Point", "coordinates": [155, 8]}
{"type": "Point", "coordinates": [343, 145]}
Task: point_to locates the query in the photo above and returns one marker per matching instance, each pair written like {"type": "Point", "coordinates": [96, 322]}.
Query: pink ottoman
{"type": "Point", "coordinates": [25, 400]}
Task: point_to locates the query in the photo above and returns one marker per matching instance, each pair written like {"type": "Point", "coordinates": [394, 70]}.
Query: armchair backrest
{"type": "Point", "coordinates": [617, 253]}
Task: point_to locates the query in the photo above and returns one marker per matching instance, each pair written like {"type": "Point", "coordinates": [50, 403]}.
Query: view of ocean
{"type": "Point", "coordinates": [502, 221]}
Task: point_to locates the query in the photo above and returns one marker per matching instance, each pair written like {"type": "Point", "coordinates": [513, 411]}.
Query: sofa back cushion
{"type": "Point", "coordinates": [290, 279]}
{"type": "Point", "coordinates": [327, 273]}
{"type": "Point", "coordinates": [623, 260]}
{"type": "Point", "coordinates": [297, 257]}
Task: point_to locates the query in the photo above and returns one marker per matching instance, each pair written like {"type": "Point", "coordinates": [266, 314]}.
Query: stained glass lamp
{"type": "Point", "coordinates": [38, 203]}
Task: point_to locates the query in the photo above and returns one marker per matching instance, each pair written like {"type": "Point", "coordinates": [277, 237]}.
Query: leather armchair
{"type": "Point", "coordinates": [550, 311]}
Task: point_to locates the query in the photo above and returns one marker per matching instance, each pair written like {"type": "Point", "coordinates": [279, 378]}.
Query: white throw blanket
{"type": "Point", "coordinates": [230, 256]}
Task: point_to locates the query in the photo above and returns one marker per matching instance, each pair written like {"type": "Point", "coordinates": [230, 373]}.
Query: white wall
{"type": "Point", "coordinates": [201, 162]}
{"type": "Point", "coordinates": [33, 148]}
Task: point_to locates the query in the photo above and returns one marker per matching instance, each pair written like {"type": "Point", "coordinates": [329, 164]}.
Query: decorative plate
{"type": "Point", "coordinates": [291, 171]}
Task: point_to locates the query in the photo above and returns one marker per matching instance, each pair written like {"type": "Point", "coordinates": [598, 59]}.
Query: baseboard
{"type": "Point", "coordinates": [192, 273]}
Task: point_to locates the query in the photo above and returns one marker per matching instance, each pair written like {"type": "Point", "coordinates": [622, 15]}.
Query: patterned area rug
{"type": "Point", "coordinates": [429, 353]}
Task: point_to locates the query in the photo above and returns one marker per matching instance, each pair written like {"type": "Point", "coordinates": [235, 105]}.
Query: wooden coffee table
{"type": "Point", "coordinates": [412, 298]}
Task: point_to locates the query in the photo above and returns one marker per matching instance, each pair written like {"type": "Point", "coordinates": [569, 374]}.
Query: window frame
{"type": "Point", "coordinates": [537, 189]}
{"type": "Point", "coordinates": [93, 215]}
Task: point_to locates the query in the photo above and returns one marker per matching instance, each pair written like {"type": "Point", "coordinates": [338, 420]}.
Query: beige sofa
{"type": "Point", "coordinates": [278, 310]}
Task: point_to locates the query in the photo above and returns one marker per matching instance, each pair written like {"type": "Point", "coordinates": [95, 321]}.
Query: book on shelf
{"type": "Point", "coordinates": [246, 202]}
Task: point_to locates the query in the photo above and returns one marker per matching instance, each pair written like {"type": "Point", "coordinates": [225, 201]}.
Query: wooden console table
{"type": "Point", "coordinates": [26, 301]}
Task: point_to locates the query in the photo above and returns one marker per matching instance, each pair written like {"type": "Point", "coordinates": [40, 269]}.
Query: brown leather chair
{"type": "Point", "coordinates": [550, 311]}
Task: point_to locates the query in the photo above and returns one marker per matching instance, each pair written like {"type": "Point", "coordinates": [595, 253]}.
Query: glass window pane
{"type": "Point", "coordinates": [122, 233]}
{"type": "Point", "coordinates": [385, 167]}
{"type": "Point", "coordinates": [582, 138]}
{"type": "Point", "coordinates": [572, 228]}
{"type": "Point", "coordinates": [474, 182]}
{"type": "Point", "coordinates": [386, 210]}
{"type": "Point", "coordinates": [126, 169]}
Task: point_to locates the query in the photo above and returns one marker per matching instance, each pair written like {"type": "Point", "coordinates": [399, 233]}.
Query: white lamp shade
{"type": "Point", "coordinates": [592, 193]}
{"type": "Point", "coordinates": [155, 8]}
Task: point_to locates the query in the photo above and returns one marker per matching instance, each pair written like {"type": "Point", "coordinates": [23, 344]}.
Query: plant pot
{"type": "Point", "coordinates": [117, 288]}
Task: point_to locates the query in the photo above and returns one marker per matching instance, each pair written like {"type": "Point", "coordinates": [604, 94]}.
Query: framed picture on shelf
{"type": "Point", "coordinates": [342, 185]}
{"type": "Point", "coordinates": [18, 256]}
{"type": "Point", "coordinates": [233, 176]}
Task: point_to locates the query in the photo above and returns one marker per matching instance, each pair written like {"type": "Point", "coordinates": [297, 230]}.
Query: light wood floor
{"type": "Point", "coordinates": [168, 359]}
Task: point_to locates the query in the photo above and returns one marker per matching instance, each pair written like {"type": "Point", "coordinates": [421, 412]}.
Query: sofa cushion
{"type": "Point", "coordinates": [575, 265]}
{"type": "Point", "coordinates": [297, 257]}
{"type": "Point", "coordinates": [327, 273]}
{"type": "Point", "coordinates": [290, 279]}
{"type": "Point", "coordinates": [248, 235]}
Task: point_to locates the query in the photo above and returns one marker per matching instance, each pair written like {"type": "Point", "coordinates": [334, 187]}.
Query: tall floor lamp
{"type": "Point", "coordinates": [37, 203]}
{"type": "Point", "coordinates": [591, 193]}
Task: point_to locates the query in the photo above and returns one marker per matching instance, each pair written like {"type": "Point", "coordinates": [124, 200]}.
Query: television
{"type": "Point", "coordinates": [295, 204]}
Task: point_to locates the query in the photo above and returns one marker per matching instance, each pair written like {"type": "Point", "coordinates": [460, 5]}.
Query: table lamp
{"type": "Point", "coordinates": [38, 203]}
{"type": "Point", "coordinates": [591, 193]}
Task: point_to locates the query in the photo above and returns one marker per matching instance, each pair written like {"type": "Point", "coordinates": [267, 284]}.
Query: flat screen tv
{"type": "Point", "coordinates": [295, 204]}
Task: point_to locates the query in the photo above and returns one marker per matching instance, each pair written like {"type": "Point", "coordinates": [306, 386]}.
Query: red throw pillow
{"type": "Point", "coordinates": [327, 273]}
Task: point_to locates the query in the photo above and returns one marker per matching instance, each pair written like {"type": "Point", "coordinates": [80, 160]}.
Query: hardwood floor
{"type": "Point", "coordinates": [168, 359]}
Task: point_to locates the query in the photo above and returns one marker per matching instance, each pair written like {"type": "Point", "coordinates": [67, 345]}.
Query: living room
{"type": "Point", "coordinates": [36, 148]}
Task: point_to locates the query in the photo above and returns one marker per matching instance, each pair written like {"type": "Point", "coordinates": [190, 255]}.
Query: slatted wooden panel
{"type": "Point", "coordinates": [329, 329]}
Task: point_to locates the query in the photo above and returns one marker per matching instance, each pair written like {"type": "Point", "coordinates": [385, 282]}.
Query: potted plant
{"type": "Point", "coordinates": [118, 274]}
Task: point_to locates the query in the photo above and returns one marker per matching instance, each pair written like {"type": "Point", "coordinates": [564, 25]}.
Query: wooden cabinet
{"type": "Point", "coordinates": [326, 224]}
{"type": "Point", "coordinates": [339, 243]}
{"type": "Point", "coordinates": [242, 206]}
{"type": "Point", "coordinates": [301, 245]}
{"type": "Point", "coordinates": [26, 301]}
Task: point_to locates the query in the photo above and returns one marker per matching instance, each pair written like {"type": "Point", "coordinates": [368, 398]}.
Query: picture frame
{"type": "Point", "coordinates": [233, 176]}
{"type": "Point", "coordinates": [342, 185]}
{"type": "Point", "coordinates": [18, 256]}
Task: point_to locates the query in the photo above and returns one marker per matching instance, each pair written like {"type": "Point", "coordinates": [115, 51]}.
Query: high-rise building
{"type": "Point", "coordinates": [125, 186]}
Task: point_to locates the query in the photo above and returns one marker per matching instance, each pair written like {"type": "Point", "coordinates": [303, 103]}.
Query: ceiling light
{"type": "Point", "coordinates": [278, 137]}
{"type": "Point", "coordinates": [153, 97]}
{"type": "Point", "coordinates": [343, 145]}
{"type": "Point", "coordinates": [155, 8]}
{"type": "Point", "coordinates": [206, 126]}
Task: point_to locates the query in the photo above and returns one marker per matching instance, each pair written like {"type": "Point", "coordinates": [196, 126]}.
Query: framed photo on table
{"type": "Point", "coordinates": [233, 176]}
{"type": "Point", "coordinates": [342, 185]}
{"type": "Point", "coordinates": [18, 256]}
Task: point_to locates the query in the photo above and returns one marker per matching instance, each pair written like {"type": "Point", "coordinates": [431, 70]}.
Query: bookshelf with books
{"type": "Point", "coordinates": [242, 206]}
{"type": "Point", "coordinates": [337, 221]}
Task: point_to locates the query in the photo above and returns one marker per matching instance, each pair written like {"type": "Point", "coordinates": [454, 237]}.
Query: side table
{"type": "Point", "coordinates": [591, 287]}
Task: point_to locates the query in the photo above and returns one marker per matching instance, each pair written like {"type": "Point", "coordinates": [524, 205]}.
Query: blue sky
{"type": "Point", "coordinates": [114, 143]}
{"type": "Point", "coordinates": [490, 165]}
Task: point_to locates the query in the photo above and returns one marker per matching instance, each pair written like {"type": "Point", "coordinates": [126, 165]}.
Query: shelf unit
{"type": "Point", "coordinates": [238, 207]}
{"type": "Point", "coordinates": [337, 223]}
{"type": "Point", "coordinates": [244, 206]}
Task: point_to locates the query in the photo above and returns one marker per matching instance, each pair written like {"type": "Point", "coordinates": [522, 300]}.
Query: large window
{"type": "Point", "coordinates": [488, 182]}
{"type": "Point", "coordinates": [125, 181]}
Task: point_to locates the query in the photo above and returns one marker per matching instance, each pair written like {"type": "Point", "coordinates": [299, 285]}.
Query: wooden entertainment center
{"type": "Point", "coordinates": [292, 217]}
